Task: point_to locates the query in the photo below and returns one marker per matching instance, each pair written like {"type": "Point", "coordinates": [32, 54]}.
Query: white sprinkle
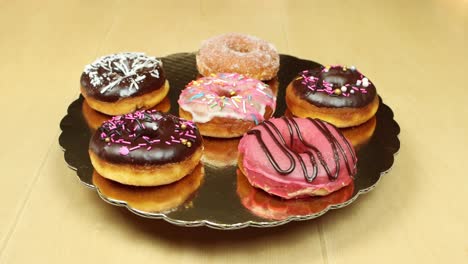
{"type": "Point", "coordinates": [155, 73]}
{"type": "Point", "coordinates": [344, 89]}
{"type": "Point", "coordinates": [139, 78]}
{"type": "Point", "coordinates": [352, 91]}
{"type": "Point", "coordinates": [133, 85]}
{"type": "Point", "coordinates": [243, 106]}
{"type": "Point", "coordinates": [234, 102]}
{"type": "Point", "coordinates": [353, 68]}
{"type": "Point", "coordinates": [365, 82]}
{"type": "Point", "coordinates": [358, 82]}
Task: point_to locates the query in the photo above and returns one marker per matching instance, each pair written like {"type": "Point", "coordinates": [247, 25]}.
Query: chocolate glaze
{"type": "Point", "coordinates": [312, 152]}
{"type": "Point", "coordinates": [164, 133]}
{"type": "Point", "coordinates": [338, 77]}
{"type": "Point", "coordinates": [108, 72]}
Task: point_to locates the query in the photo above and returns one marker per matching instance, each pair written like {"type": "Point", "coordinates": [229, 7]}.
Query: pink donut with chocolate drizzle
{"type": "Point", "coordinates": [226, 105]}
{"type": "Point", "coordinates": [297, 157]}
{"type": "Point", "coordinates": [145, 148]}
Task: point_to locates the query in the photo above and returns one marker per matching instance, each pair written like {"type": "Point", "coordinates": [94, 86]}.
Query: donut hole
{"type": "Point", "coordinates": [336, 80]}
{"type": "Point", "coordinates": [225, 93]}
{"type": "Point", "coordinates": [298, 147]}
{"type": "Point", "coordinates": [149, 129]}
{"type": "Point", "coordinates": [240, 47]}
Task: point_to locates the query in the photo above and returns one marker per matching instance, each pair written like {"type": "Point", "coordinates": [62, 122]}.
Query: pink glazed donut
{"type": "Point", "coordinates": [226, 105]}
{"type": "Point", "coordinates": [297, 157]}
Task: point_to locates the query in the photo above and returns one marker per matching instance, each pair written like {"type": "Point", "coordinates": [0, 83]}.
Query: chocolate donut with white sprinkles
{"type": "Point", "coordinates": [124, 82]}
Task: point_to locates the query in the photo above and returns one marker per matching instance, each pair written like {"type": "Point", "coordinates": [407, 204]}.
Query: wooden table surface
{"type": "Point", "coordinates": [414, 51]}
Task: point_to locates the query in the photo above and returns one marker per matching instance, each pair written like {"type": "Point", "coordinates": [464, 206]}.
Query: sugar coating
{"type": "Point", "coordinates": [239, 53]}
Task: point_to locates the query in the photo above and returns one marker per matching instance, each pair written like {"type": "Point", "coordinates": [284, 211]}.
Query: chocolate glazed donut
{"type": "Point", "coordinates": [339, 95]}
{"type": "Point", "coordinates": [117, 76]}
{"type": "Point", "coordinates": [124, 82]}
{"type": "Point", "coordinates": [145, 148]}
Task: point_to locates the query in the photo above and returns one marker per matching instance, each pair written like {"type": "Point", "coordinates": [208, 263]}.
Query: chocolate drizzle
{"type": "Point", "coordinates": [311, 150]}
{"type": "Point", "coordinates": [146, 138]}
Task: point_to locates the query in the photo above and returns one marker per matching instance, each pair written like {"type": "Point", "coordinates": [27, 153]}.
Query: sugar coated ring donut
{"type": "Point", "coordinates": [239, 53]}
{"type": "Point", "coordinates": [339, 95]}
{"type": "Point", "coordinates": [297, 157]}
{"type": "Point", "coordinates": [145, 148]}
{"type": "Point", "coordinates": [124, 82]}
{"type": "Point", "coordinates": [226, 105]}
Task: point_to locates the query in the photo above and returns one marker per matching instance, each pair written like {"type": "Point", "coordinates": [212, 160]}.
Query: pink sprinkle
{"type": "Point", "coordinates": [123, 151]}
{"type": "Point", "coordinates": [145, 137]}
{"type": "Point", "coordinates": [103, 135]}
{"type": "Point", "coordinates": [126, 142]}
{"type": "Point", "coordinates": [168, 143]}
{"type": "Point", "coordinates": [188, 135]}
{"type": "Point", "coordinates": [148, 148]}
{"type": "Point", "coordinates": [155, 141]}
{"type": "Point", "coordinates": [142, 144]}
{"type": "Point", "coordinates": [176, 141]}
{"type": "Point", "coordinates": [135, 147]}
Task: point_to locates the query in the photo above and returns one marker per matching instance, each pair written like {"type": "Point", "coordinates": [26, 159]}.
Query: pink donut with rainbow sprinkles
{"type": "Point", "coordinates": [226, 105]}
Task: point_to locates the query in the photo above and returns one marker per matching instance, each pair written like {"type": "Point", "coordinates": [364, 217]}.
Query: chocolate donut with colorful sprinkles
{"type": "Point", "coordinates": [146, 148]}
{"type": "Point", "coordinates": [340, 95]}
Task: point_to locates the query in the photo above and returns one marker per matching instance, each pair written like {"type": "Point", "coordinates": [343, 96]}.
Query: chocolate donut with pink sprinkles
{"type": "Point", "coordinates": [145, 148]}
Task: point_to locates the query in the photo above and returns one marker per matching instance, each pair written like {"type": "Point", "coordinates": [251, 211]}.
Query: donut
{"type": "Point", "coordinates": [297, 157]}
{"type": "Point", "coordinates": [94, 119]}
{"type": "Point", "coordinates": [121, 83]}
{"type": "Point", "coordinates": [239, 53]}
{"type": "Point", "coordinates": [220, 152]}
{"type": "Point", "coordinates": [145, 148]}
{"type": "Point", "coordinates": [271, 207]}
{"type": "Point", "coordinates": [339, 95]}
{"type": "Point", "coordinates": [157, 199]}
{"type": "Point", "coordinates": [226, 105]}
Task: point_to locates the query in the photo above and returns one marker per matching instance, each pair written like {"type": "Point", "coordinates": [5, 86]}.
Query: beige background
{"type": "Point", "coordinates": [415, 52]}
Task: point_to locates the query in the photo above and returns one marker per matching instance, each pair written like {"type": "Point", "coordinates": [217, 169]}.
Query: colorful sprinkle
{"type": "Point", "coordinates": [124, 151]}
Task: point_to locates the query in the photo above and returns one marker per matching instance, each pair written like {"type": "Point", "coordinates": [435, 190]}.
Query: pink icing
{"type": "Point", "coordinates": [260, 170]}
{"type": "Point", "coordinates": [228, 95]}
